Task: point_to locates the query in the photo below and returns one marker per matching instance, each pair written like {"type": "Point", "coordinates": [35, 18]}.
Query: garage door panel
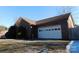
{"type": "Point", "coordinates": [50, 32]}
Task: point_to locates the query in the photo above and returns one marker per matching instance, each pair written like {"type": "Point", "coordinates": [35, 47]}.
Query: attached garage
{"type": "Point", "coordinates": [52, 32]}
{"type": "Point", "coordinates": [58, 27]}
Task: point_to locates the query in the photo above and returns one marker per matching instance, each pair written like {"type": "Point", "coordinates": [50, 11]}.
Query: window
{"type": "Point", "coordinates": [55, 28]}
{"type": "Point", "coordinates": [58, 28]}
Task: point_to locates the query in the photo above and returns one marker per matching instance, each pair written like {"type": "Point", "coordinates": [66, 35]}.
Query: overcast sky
{"type": "Point", "coordinates": [9, 14]}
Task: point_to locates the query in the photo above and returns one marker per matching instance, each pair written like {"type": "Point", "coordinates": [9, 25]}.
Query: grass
{"type": "Point", "coordinates": [23, 46]}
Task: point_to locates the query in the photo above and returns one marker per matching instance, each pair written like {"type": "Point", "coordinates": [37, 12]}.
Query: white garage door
{"type": "Point", "coordinates": [50, 32]}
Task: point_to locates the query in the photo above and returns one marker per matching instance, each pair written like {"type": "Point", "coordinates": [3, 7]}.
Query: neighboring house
{"type": "Point", "coordinates": [58, 27]}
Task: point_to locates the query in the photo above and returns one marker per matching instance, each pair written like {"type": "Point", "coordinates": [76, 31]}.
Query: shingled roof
{"type": "Point", "coordinates": [60, 17]}
{"type": "Point", "coordinates": [31, 22]}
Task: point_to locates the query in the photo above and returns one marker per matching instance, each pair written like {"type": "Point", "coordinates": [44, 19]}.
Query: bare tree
{"type": "Point", "coordinates": [65, 9]}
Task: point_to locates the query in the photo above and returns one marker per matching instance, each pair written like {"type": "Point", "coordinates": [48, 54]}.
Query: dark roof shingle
{"type": "Point", "coordinates": [31, 22]}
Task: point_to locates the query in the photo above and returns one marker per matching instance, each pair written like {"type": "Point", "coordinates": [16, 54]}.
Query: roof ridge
{"type": "Point", "coordinates": [53, 18]}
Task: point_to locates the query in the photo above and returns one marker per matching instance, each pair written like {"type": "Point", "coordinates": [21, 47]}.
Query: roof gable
{"type": "Point", "coordinates": [31, 22]}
